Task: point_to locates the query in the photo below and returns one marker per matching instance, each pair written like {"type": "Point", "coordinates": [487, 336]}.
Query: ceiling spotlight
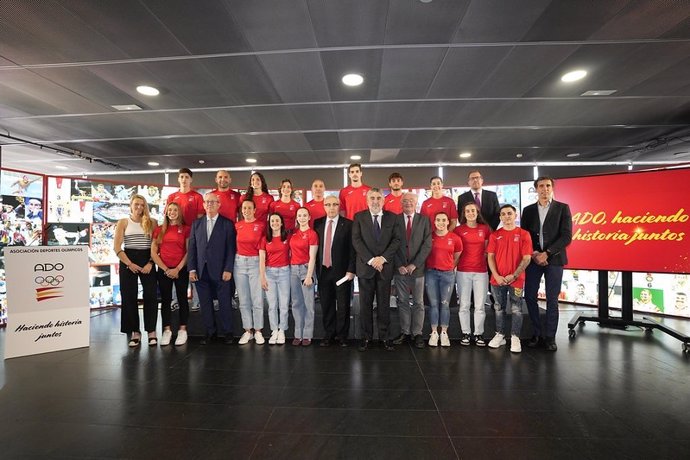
{"type": "Point", "coordinates": [575, 75]}
{"type": "Point", "coordinates": [153, 163]}
{"type": "Point", "coordinates": [519, 155]}
{"type": "Point", "coordinates": [573, 155]}
{"type": "Point", "coordinates": [465, 155]}
{"type": "Point", "coordinates": [251, 160]}
{"type": "Point", "coordinates": [353, 79]}
{"type": "Point", "coordinates": [148, 90]}
{"type": "Point", "coordinates": [201, 162]}
{"type": "Point", "coordinates": [126, 107]}
{"type": "Point", "coordinates": [598, 92]}
{"type": "Point", "coordinates": [355, 157]}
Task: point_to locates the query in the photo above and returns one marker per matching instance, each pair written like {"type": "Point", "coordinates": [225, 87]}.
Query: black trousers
{"type": "Point", "coordinates": [335, 305]}
{"type": "Point", "coordinates": [379, 286]}
{"type": "Point", "coordinates": [165, 287]}
{"type": "Point", "coordinates": [129, 319]}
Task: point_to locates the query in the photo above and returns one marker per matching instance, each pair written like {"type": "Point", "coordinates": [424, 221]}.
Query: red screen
{"type": "Point", "coordinates": [630, 222]}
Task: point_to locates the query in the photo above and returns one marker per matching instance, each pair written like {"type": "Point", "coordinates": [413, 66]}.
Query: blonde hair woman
{"type": "Point", "coordinates": [133, 248]}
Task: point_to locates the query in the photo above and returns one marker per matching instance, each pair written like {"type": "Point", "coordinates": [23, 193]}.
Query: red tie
{"type": "Point", "coordinates": [327, 245]}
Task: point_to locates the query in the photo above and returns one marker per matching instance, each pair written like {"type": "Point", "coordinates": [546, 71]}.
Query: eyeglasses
{"type": "Point", "coordinates": [212, 202]}
{"type": "Point", "coordinates": [475, 177]}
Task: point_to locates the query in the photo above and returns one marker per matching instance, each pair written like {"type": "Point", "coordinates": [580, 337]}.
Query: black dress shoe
{"type": "Point", "coordinates": [535, 342]}
{"type": "Point", "coordinates": [419, 341]}
{"type": "Point", "coordinates": [551, 345]}
{"type": "Point", "coordinates": [343, 343]}
{"type": "Point", "coordinates": [205, 340]}
{"type": "Point", "coordinates": [363, 345]}
{"type": "Point", "coordinates": [387, 345]}
{"type": "Point", "coordinates": [325, 343]}
{"type": "Point", "coordinates": [229, 339]}
{"type": "Point", "coordinates": [402, 338]}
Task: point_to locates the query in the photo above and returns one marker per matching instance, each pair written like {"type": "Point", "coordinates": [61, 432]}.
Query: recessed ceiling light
{"type": "Point", "coordinates": [147, 90]}
{"type": "Point", "coordinates": [126, 107]}
{"type": "Point", "coordinates": [573, 155]}
{"type": "Point", "coordinates": [355, 157]}
{"type": "Point", "coordinates": [353, 79]}
{"type": "Point", "coordinates": [153, 163]}
{"type": "Point", "coordinates": [465, 155]}
{"type": "Point", "coordinates": [519, 155]}
{"type": "Point", "coordinates": [251, 160]}
{"type": "Point", "coordinates": [201, 162]}
{"type": "Point", "coordinates": [598, 92]}
{"type": "Point", "coordinates": [61, 167]}
{"type": "Point", "coordinates": [575, 75]}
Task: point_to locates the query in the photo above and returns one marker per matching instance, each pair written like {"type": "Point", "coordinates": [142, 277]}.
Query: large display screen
{"type": "Point", "coordinates": [636, 222]}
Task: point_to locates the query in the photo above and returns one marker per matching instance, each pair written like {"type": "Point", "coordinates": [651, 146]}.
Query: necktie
{"type": "Point", "coordinates": [477, 200]}
{"type": "Point", "coordinates": [408, 231]}
{"type": "Point", "coordinates": [377, 228]}
{"type": "Point", "coordinates": [209, 228]}
{"type": "Point", "coordinates": [327, 245]}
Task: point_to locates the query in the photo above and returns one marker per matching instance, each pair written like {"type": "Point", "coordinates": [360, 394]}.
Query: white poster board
{"type": "Point", "coordinates": [47, 299]}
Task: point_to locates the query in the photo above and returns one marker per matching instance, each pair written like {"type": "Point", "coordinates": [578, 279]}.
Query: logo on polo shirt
{"type": "Point", "coordinates": [256, 227]}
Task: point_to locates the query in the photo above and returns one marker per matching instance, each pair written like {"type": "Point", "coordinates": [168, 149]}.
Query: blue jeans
{"type": "Point", "coordinates": [439, 288]}
{"type": "Point", "coordinates": [278, 296]}
{"type": "Point", "coordinates": [502, 296]}
{"type": "Point", "coordinates": [479, 283]}
{"type": "Point", "coordinates": [302, 302]}
{"type": "Point", "coordinates": [248, 283]}
{"type": "Point", "coordinates": [553, 276]}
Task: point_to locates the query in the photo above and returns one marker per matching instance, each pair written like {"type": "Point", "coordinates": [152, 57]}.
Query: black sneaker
{"type": "Point", "coordinates": [465, 339]}
{"type": "Point", "coordinates": [479, 341]}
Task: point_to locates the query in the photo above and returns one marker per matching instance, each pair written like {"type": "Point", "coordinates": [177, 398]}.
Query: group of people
{"type": "Point", "coordinates": [251, 243]}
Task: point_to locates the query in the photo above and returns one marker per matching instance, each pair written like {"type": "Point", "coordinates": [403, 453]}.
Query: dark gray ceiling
{"type": "Point", "coordinates": [262, 78]}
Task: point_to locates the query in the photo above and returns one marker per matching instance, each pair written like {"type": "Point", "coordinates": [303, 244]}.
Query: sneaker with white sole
{"type": "Point", "coordinates": [166, 337]}
{"type": "Point", "coordinates": [515, 345]}
{"type": "Point", "coordinates": [498, 340]}
{"type": "Point", "coordinates": [280, 339]}
{"type": "Point", "coordinates": [246, 337]}
{"type": "Point", "coordinates": [479, 340]}
{"type": "Point", "coordinates": [433, 339]}
{"type": "Point", "coordinates": [259, 338]}
{"type": "Point", "coordinates": [274, 338]}
{"type": "Point", "coordinates": [181, 337]}
{"type": "Point", "coordinates": [445, 340]}
{"type": "Point", "coordinates": [465, 339]}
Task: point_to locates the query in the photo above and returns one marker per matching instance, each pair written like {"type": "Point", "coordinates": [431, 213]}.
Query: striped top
{"type": "Point", "coordinates": [135, 237]}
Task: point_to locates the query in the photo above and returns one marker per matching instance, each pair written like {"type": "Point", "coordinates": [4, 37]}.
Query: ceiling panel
{"type": "Point", "coordinates": [348, 22]}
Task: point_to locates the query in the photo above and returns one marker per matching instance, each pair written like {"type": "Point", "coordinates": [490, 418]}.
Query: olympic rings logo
{"type": "Point", "coordinates": [49, 280]}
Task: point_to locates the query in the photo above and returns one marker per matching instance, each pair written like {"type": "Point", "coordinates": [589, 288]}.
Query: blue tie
{"type": "Point", "coordinates": [377, 228]}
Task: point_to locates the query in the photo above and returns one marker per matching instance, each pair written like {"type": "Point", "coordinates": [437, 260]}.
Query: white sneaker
{"type": "Point", "coordinates": [274, 338]}
{"type": "Point", "coordinates": [433, 339]}
{"type": "Point", "coordinates": [515, 345]}
{"type": "Point", "coordinates": [259, 338]}
{"type": "Point", "coordinates": [280, 340]}
{"type": "Point", "coordinates": [181, 337]}
{"type": "Point", "coordinates": [167, 336]}
{"type": "Point", "coordinates": [445, 340]}
{"type": "Point", "coordinates": [498, 340]}
{"type": "Point", "coordinates": [246, 337]}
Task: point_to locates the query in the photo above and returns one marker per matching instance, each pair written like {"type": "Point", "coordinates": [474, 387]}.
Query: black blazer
{"type": "Point", "coordinates": [490, 206]}
{"type": "Point", "coordinates": [419, 244]}
{"type": "Point", "coordinates": [367, 247]}
{"type": "Point", "coordinates": [342, 252]}
{"type": "Point", "coordinates": [558, 230]}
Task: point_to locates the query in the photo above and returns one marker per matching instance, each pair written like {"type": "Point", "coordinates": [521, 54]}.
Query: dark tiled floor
{"type": "Point", "coordinates": [607, 394]}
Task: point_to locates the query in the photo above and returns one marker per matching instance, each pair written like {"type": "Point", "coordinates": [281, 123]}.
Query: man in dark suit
{"type": "Point", "coordinates": [335, 260]}
{"type": "Point", "coordinates": [550, 225]}
{"type": "Point", "coordinates": [211, 259]}
{"type": "Point", "coordinates": [376, 238]}
{"type": "Point", "coordinates": [415, 246]}
{"type": "Point", "coordinates": [486, 200]}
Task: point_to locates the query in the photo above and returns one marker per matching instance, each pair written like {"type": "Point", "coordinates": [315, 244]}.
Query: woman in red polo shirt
{"type": "Point", "coordinates": [286, 206]}
{"type": "Point", "coordinates": [258, 193]}
{"type": "Point", "coordinates": [439, 277]}
{"type": "Point", "coordinates": [169, 252]}
{"type": "Point", "coordinates": [303, 245]}
{"type": "Point", "coordinates": [246, 273]}
{"type": "Point", "coordinates": [274, 268]}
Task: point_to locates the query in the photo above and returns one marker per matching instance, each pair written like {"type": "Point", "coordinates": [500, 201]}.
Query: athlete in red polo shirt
{"type": "Point", "coordinates": [287, 207]}
{"type": "Point", "coordinates": [393, 201]}
{"type": "Point", "coordinates": [353, 198]}
{"type": "Point", "coordinates": [439, 203]}
{"type": "Point", "coordinates": [229, 199]}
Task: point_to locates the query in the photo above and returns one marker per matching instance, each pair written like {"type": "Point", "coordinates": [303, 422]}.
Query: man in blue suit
{"type": "Point", "coordinates": [211, 259]}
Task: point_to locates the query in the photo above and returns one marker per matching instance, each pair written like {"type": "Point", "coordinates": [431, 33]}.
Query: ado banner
{"type": "Point", "coordinates": [636, 222]}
